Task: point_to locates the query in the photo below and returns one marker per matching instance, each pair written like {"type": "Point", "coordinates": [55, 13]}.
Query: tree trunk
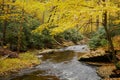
{"type": "Point", "coordinates": [19, 39]}
{"type": "Point", "coordinates": [4, 32]}
{"type": "Point", "coordinates": [20, 31]}
{"type": "Point", "coordinates": [105, 24]}
{"type": "Point", "coordinates": [91, 24]}
{"type": "Point", "coordinates": [4, 25]}
{"type": "Point", "coordinates": [97, 23]}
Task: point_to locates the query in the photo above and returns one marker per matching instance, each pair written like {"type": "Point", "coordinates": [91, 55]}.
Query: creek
{"type": "Point", "coordinates": [60, 66]}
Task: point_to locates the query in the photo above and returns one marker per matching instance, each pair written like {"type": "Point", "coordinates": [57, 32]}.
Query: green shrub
{"type": "Point", "coordinates": [71, 35]}
{"type": "Point", "coordinates": [41, 40]}
{"type": "Point", "coordinates": [28, 39]}
{"type": "Point", "coordinates": [98, 39]}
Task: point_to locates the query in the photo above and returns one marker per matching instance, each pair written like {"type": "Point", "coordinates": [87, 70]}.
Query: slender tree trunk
{"type": "Point", "coordinates": [20, 31]}
{"type": "Point", "coordinates": [4, 32]}
{"type": "Point", "coordinates": [43, 17]}
{"type": "Point", "coordinates": [4, 25]}
{"type": "Point", "coordinates": [118, 12]}
{"type": "Point", "coordinates": [91, 24]}
{"type": "Point", "coordinates": [105, 24]}
{"type": "Point", "coordinates": [97, 23]}
{"type": "Point", "coordinates": [19, 39]}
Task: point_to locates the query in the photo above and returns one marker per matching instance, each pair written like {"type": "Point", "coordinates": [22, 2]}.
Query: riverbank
{"type": "Point", "coordinates": [106, 69]}
{"type": "Point", "coordinates": [109, 72]}
{"type": "Point", "coordinates": [11, 65]}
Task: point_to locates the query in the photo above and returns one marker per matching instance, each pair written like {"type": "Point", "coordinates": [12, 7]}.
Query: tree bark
{"type": "Point", "coordinates": [3, 25]}
{"type": "Point", "coordinates": [20, 31]}
{"type": "Point", "coordinates": [19, 39]}
{"type": "Point", "coordinates": [97, 23]}
{"type": "Point", "coordinates": [105, 24]}
{"type": "Point", "coordinates": [4, 32]}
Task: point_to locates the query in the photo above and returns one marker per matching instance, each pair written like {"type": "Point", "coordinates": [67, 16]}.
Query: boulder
{"type": "Point", "coordinates": [96, 56]}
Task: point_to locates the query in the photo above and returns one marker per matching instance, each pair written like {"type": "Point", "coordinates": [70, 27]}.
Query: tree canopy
{"type": "Point", "coordinates": [73, 13]}
{"type": "Point", "coordinates": [61, 15]}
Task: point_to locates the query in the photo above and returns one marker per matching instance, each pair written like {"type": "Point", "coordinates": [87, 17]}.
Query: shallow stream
{"type": "Point", "coordinates": [59, 66]}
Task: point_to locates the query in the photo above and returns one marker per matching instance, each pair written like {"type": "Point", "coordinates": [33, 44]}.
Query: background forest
{"type": "Point", "coordinates": [37, 23]}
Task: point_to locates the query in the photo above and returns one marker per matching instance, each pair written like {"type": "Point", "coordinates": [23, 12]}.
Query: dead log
{"type": "Point", "coordinates": [49, 51]}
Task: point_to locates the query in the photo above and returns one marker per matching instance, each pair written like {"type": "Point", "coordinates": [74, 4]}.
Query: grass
{"type": "Point", "coordinates": [25, 60]}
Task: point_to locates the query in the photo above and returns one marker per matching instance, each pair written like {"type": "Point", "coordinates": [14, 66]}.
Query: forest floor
{"type": "Point", "coordinates": [109, 72]}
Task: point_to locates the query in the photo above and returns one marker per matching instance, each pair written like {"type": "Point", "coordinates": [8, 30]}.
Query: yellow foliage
{"type": "Point", "coordinates": [117, 22]}
{"type": "Point", "coordinates": [60, 15]}
{"type": "Point", "coordinates": [70, 13]}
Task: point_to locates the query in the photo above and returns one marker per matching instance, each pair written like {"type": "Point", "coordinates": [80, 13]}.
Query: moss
{"type": "Point", "coordinates": [13, 65]}
{"type": "Point", "coordinates": [118, 65]}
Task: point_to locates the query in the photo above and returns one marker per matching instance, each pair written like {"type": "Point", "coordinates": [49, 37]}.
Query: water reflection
{"type": "Point", "coordinates": [59, 57]}
{"type": "Point", "coordinates": [36, 77]}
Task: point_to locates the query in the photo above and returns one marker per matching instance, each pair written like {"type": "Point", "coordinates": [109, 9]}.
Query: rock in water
{"type": "Point", "coordinates": [96, 56]}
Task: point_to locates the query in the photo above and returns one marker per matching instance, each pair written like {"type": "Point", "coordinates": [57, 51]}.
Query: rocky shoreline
{"type": "Point", "coordinates": [106, 69]}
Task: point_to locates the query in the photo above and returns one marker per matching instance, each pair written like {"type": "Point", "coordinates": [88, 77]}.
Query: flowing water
{"type": "Point", "coordinates": [59, 66]}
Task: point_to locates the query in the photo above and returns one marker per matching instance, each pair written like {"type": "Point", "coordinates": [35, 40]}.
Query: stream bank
{"type": "Point", "coordinates": [9, 66]}
{"type": "Point", "coordinates": [106, 69]}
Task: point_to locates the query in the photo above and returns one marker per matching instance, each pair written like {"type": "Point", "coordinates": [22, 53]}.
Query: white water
{"type": "Point", "coordinates": [77, 48]}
